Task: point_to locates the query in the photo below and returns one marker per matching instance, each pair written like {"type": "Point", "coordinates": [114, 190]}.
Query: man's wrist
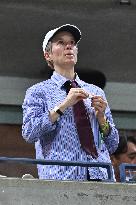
{"type": "Point", "coordinates": [57, 110]}
{"type": "Point", "coordinates": [60, 108]}
{"type": "Point", "coordinates": [104, 127]}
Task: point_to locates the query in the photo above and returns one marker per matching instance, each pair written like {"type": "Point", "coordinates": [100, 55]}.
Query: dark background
{"type": "Point", "coordinates": [108, 36]}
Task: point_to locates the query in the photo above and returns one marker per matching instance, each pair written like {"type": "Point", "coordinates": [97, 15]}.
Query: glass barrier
{"type": "Point", "coordinates": [128, 172]}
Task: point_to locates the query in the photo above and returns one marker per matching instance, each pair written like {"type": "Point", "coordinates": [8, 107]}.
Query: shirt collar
{"type": "Point", "coordinates": [60, 80]}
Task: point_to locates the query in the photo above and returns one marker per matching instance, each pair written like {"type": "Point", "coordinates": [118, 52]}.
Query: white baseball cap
{"type": "Point", "coordinates": [67, 27]}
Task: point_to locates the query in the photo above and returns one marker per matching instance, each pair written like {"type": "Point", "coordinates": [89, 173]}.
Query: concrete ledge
{"type": "Point", "coordinates": [38, 192]}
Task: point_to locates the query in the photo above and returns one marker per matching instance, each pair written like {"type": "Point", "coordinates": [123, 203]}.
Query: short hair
{"type": "Point", "coordinates": [123, 144]}
{"type": "Point", "coordinates": [48, 49]}
{"type": "Point", "coordinates": [131, 139]}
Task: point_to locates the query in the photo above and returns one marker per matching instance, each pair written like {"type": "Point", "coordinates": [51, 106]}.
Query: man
{"type": "Point", "coordinates": [49, 117]}
{"type": "Point", "coordinates": [125, 153]}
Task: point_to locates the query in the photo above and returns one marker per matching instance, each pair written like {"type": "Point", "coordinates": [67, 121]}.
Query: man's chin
{"type": "Point", "coordinates": [70, 62]}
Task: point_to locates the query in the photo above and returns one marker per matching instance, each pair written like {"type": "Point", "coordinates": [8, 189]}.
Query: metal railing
{"type": "Point", "coordinates": [124, 167]}
{"type": "Point", "coordinates": [108, 166]}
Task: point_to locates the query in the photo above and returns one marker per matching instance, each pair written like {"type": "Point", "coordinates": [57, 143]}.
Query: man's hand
{"type": "Point", "coordinates": [75, 95]}
{"type": "Point", "coordinates": [99, 105]}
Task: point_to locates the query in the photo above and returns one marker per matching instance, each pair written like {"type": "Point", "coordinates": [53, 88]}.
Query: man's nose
{"type": "Point", "coordinates": [68, 45]}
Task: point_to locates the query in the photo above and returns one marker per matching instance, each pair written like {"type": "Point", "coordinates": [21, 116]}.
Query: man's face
{"type": "Point", "coordinates": [64, 50]}
{"type": "Point", "coordinates": [127, 157]}
{"type": "Point", "coordinates": [130, 155]}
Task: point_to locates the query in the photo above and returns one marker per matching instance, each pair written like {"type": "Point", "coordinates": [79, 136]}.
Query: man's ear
{"type": "Point", "coordinates": [47, 56]}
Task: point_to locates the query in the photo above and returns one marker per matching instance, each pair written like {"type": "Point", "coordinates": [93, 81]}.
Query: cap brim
{"type": "Point", "coordinates": [70, 28]}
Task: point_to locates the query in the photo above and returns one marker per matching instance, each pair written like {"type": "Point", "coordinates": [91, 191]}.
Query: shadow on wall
{"type": "Point", "coordinates": [93, 77]}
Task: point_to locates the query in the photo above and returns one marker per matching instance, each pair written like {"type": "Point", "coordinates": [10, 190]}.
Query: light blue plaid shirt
{"type": "Point", "coordinates": [59, 140]}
